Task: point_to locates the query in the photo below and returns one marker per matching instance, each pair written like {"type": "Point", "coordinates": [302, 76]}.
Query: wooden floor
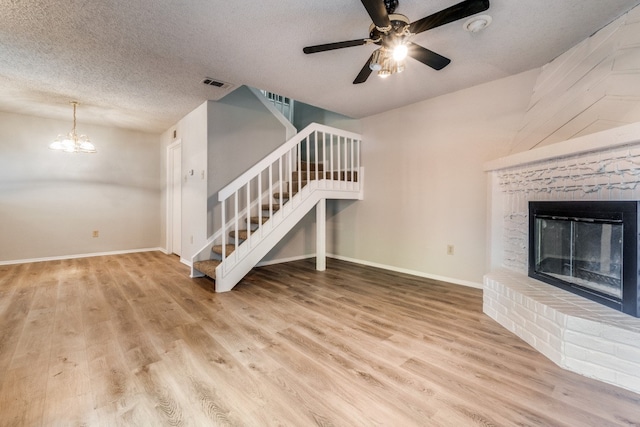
{"type": "Point", "coordinates": [131, 340]}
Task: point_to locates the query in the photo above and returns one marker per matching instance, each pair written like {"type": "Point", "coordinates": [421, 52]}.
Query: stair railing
{"type": "Point", "coordinates": [328, 158]}
{"type": "Point", "coordinates": [282, 103]}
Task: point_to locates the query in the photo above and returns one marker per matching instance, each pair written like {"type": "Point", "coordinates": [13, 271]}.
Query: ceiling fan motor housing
{"type": "Point", "coordinates": [397, 33]}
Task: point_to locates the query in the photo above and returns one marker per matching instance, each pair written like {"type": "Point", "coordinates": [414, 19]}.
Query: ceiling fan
{"type": "Point", "coordinates": [392, 32]}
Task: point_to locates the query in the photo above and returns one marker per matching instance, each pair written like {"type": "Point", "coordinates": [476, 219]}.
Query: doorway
{"type": "Point", "coordinates": [174, 198]}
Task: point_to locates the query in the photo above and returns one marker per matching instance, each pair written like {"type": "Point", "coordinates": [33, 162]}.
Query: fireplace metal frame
{"type": "Point", "coordinates": [628, 213]}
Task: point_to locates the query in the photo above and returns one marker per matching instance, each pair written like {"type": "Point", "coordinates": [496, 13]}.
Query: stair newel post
{"type": "Point", "coordinates": [321, 235]}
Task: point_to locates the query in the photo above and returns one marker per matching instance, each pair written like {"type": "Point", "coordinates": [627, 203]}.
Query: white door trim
{"type": "Point", "coordinates": [170, 196]}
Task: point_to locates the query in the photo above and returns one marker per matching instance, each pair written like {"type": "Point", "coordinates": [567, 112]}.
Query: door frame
{"type": "Point", "coordinates": [170, 196]}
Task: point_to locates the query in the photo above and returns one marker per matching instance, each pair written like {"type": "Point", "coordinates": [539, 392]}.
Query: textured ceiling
{"type": "Point", "coordinates": [139, 64]}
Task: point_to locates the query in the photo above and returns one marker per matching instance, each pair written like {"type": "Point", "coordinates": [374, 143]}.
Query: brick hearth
{"type": "Point", "coordinates": [574, 332]}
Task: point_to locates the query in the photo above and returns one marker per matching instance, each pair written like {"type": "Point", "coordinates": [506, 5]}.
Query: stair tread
{"type": "Point", "coordinates": [285, 195]}
{"type": "Point", "coordinates": [207, 267]}
{"type": "Point", "coordinates": [274, 206]}
{"type": "Point", "coordinates": [242, 234]}
{"type": "Point", "coordinates": [218, 249]}
{"type": "Point", "coordinates": [256, 220]}
{"type": "Point", "coordinates": [311, 166]}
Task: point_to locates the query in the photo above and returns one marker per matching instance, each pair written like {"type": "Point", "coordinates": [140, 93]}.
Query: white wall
{"type": "Point", "coordinates": [51, 202]}
{"type": "Point", "coordinates": [424, 181]}
{"type": "Point", "coordinates": [192, 133]}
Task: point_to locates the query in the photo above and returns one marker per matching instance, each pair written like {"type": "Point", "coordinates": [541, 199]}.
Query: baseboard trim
{"type": "Point", "coordinates": [260, 264]}
{"type": "Point", "coordinates": [466, 283]}
{"type": "Point", "coordinates": [76, 256]}
{"type": "Point", "coordinates": [410, 272]}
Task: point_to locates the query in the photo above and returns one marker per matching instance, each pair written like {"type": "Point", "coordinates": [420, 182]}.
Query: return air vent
{"type": "Point", "coordinates": [216, 83]}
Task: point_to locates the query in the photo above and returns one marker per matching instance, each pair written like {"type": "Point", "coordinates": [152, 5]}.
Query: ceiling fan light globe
{"type": "Point", "coordinates": [400, 52]}
{"type": "Point", "coordinates": [377, 59]}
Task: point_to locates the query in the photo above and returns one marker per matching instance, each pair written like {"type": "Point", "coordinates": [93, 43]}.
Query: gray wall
{"type": "Point", "coordinates": [241, 131]}
{"type": "Point", "coordinates": [305, 114]}
{"type": "Point", "coordinates": [51, 202]}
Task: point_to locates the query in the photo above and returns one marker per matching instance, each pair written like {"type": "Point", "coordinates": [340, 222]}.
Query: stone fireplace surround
{"type": "Point", "coordinates": [575, 333]}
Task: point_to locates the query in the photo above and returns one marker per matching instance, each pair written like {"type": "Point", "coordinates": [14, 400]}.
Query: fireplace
{"type": "Point", "coordinates": [589, 248]}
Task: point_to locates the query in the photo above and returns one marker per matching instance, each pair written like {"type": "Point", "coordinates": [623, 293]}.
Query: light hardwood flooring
{"type": "Point", "coordinates": [131, 340]}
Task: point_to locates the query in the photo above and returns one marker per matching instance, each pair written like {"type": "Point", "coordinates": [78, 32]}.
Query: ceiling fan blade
{"type": "Point", "coordinates": [364, 73]}
{"type": "Point", "coordinates": [332, 46]}
{"type": "Point", "coordinates": [427, 57]}
{"type": "Point", "coordinates": [450, 14]}
{"type": "Point", "coordinates": [378, 12]}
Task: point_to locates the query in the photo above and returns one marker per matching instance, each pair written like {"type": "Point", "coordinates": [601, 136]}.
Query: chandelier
{"type": "Point", "coordinates": [71, 142]}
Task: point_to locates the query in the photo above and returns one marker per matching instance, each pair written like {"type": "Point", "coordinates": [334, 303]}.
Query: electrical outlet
{"type": "Point", "coordinates": [450, 249]}
{"type": "Point", "coordinates": [192, 240]}
{"type": "Point", "coordinates": [96, 233]}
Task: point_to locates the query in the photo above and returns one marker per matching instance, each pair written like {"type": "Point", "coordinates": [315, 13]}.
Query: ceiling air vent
{"type": "Point", "coordinates": [216, 83]}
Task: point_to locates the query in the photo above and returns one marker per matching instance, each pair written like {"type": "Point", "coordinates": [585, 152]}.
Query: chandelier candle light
{"type": "Point", "coordinates": [71, 142]}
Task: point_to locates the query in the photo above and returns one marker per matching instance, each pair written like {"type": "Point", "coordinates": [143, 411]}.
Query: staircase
{"type": "Point", "coordinates": [268, 200]}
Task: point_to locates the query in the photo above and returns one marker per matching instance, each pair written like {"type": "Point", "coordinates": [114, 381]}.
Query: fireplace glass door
{"type": "Point", "coordinates": [586, 253]}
